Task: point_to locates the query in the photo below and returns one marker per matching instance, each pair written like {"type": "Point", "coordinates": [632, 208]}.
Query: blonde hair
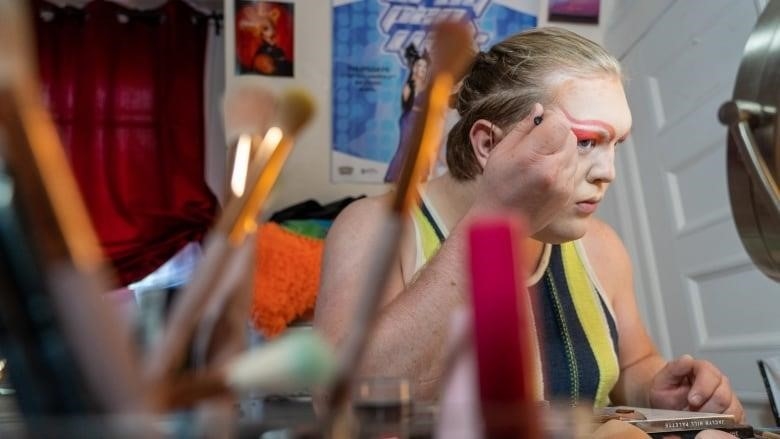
{"type": "Point", "coordinates": [504, 83]}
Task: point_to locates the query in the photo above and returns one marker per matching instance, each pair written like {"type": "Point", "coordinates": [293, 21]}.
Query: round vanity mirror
{"type": "Point", "coordinates": [753, 154]}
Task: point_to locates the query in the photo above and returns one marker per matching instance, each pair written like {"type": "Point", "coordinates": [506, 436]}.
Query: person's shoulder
{"type": "Point", "coordinates": [609, 259]}
{"type": "Point", "coordinates": [604, 246]}
{"type": "Point", "coordinates": [360, 215]}
{"type": "Point", "coordinates": [600, 232]}
{"type": "Point", "coordinates": [366, 206]}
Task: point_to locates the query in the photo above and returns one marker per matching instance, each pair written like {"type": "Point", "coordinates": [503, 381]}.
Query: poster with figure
{"type": "Point", "coordinates": [264, 38]}
{"type": "Point", "coordinates": [381, 60]}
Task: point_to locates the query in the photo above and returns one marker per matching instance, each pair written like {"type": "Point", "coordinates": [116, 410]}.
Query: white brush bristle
{"type": "Point", "coordinates": [248, 108]}
{"type": "Point", "coordinates": [294, 362]}
{"type": "Point", "coordinates": [296, 108]}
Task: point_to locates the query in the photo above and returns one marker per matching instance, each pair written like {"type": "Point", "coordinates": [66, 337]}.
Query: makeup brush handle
{"type": "Point", "coordinates": [353, 345]}
{"type": "Point", "coordinates": [220, 333]}
{"type": "Point", "coordinates": [170, 351]}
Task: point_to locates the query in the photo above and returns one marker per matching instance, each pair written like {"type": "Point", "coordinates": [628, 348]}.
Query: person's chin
{"type": "Point", "coordinates": [562, 231]}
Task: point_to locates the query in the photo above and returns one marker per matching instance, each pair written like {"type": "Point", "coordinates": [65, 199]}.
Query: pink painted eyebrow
{"type": "Point", "coordinates": [592, 122]}
{"type": "Point", "coordinates": [582, 133]}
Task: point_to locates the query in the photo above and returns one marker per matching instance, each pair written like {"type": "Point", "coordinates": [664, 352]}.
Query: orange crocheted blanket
{"type": "Point", "coordinates": [286, 279]}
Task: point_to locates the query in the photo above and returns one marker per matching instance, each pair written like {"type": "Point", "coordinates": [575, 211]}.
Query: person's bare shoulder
{"type": "Point", "coordinates": [348, 247]}
{"type": "Point", "coordinates": [359, 228]}
{"type": "Point", "coordinates": [608, 257]}
{"type": "Point", "coordinates": [603, 244]}
{"type": "Point", "coordinates": [358, 217]}
{"type": "Point", "coordinates": [352, 237]}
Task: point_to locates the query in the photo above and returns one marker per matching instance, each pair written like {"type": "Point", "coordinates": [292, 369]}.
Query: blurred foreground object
{"type": "Point", "coordinates": [503, 329]}
{"type": "Point", "coordinates": [66, 354]}
{"type": "Point", "coordinates": [451, 52]}
{"type": "Point", "coordinates": [248, 110]}
{"type": "Point", "coordinates": [217, 289]}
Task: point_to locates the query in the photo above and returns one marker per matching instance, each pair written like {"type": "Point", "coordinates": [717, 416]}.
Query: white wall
{"type": "Point", "coordinates": [306, 173]}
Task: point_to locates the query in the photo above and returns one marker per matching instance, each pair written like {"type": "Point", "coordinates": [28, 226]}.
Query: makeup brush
{"type": "Point", "coordinates": [239, 217]}
{"type": "Point", "coordinates": [295, 108]}
{"type": "Point", "coordinates": [53, 262]}
{"type": "Point", "coordinates": [450, 59]}
{"type": "Point", "coordinates": [236, 222]}
{"type": "Point", "coordinates": [17, 62]}
{"type": "Point", "coordinates": [248, 110]}
{"type": "Point", "coordinates": [248, 107]}
{"type": "Point", "coordinates": [296, 361]}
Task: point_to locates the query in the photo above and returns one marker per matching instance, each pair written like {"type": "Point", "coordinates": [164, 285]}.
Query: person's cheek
{"type": "Point", "coordinates": [582, 164]}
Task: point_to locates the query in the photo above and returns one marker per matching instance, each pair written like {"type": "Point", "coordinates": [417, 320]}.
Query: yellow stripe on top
{"type": "Point", "coordinates": [591, 316]}
{"type": "Point", "coordinates": [428, 244]}
{"type": "Point", "coordinates": [427, 241]}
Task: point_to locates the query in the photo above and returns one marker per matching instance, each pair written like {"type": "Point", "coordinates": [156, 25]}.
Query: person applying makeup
{"type": "Point", "coordinates": [542, 115]}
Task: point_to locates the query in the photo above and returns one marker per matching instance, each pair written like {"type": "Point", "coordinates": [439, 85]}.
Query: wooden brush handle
{"type": "Point", "coordinates": [67, 256]}
{"type": "Point", "coordinates": [450, 58]}
{"type": "Point", "coordinates": [237, 221]}
{"type": "Point", "coordinates": [451, 55]}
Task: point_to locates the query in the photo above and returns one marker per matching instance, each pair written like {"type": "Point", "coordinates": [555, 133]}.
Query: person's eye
{"type": "Point", "coordinates": [586, 143]}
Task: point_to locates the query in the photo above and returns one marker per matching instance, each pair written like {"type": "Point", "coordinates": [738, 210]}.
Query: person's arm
{"type": "Point", "coordinates": [638, 357]}
{"type": "Point", "coordinates": [615, 429]}
{"type": "Point", "coordinates": [646, 378]}
{"type": "Point", "coordinates": [409, 335]}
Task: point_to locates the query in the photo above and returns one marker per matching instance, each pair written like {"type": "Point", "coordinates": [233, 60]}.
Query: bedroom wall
{"type": "Point", "coordinates": [307, 171]}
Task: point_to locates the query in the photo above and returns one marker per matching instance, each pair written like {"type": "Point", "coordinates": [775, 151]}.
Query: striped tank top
{"type": "Point", "coordinates": [572, 320]}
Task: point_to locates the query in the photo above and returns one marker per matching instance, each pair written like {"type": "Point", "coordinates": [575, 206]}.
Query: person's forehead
{"type": "Point", "coordinates": [598, 99]}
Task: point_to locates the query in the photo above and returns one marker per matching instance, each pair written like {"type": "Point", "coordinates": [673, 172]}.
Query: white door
{"type": "Point", "coordinates": [698, 290]}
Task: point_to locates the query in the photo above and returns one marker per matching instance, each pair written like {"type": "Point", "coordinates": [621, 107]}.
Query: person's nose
{"type": "Point", "coordinates": [603, 167]}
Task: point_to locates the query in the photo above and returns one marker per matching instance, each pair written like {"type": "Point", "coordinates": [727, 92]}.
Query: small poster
{"type": "Point", "coordinates": [264, 38]}
{"type": "Point", "coordinates": [381, 61]}
{"type": "Point", "coordinates": [574, 11]}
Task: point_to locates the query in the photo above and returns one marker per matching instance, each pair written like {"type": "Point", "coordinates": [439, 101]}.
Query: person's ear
{"type": "Point", "coordinates": [484, 136]}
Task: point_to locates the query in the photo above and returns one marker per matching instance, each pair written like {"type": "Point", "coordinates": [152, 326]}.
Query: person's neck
{"type": "Point", "coordinates": [453, 199]}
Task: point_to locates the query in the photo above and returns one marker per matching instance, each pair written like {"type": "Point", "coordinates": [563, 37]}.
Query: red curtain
{"type": "Point", "coordinates": [125, 89]}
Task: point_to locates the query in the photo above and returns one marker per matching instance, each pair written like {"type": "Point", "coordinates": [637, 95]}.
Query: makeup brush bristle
{"type": "Point", "coordinates": [296, 107]}
{"type": "Point", "coordinates": [295, 361]}
{"type": "Point", "coordinates": [248, 108]}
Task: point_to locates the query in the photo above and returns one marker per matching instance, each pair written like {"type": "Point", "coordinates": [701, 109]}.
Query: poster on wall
{"type": "Point", "coordinates": [264, 38]}
{"type": "Point", "coordinates": [574, 11]}
{"type": "Point", "coordinates": [380, 63]}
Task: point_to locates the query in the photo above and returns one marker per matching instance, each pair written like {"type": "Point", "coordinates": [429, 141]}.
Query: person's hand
{"type": "Point", "coordinates": [532, 168]}
{"type": "Point", "coordinates": [714, 434]}
{"type": "Point", "coordinates": [616, 429]}
{"type": "Point", "coordinates": [695, 385]}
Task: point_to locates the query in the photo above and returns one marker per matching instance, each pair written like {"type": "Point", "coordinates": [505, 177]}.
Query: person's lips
{"type": "Point", "coordinates": [588, 206]}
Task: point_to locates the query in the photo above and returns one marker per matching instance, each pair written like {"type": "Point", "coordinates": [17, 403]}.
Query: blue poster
{"type": "Point", "coordinates": [380, 63]}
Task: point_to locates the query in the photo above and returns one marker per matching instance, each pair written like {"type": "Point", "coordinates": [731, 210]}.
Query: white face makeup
{"type": "Point", "coordinates": [598, 112]}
